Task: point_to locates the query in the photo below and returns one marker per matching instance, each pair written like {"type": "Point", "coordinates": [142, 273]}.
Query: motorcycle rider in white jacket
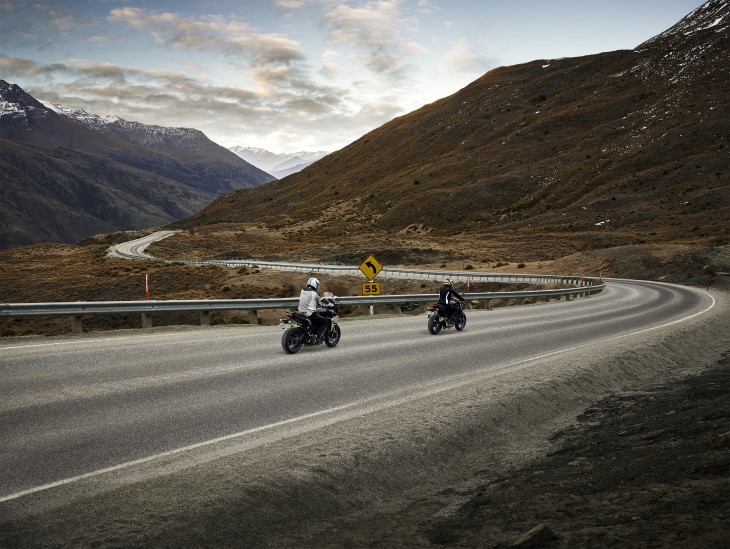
{"type": "Point", "coordinates": [309, 304]}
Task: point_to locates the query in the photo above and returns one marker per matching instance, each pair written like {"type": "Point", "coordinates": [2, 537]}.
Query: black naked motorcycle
{"type": "Point", "coordinates": [300, 330]}
{"type": "Point", "coordinates": [438, 319]}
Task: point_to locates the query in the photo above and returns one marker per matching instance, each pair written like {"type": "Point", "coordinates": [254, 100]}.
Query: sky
{"type": "Point", "coordinates": [295, 75]}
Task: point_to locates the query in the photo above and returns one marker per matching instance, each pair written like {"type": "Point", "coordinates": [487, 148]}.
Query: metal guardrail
{"type": "Point", "coordinates": [78, 309]}
{"type": "Point", "coordinates": [413, 274]}
{"type": "Point", "coordinates": [135, 249]}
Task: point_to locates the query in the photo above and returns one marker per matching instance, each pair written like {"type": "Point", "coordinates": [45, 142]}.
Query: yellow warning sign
{"type": "Point", "coordinates": [370, 267]}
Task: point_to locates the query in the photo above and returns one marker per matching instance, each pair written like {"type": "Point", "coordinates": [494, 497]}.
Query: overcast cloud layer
{"type": "Point", "coordinates": [293, 75]}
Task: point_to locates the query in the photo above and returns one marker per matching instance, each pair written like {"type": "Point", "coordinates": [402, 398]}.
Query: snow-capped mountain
{"type": "Point", "coordinates": [713, 14]}
{"type": "Point", "coordinates": [162, 138]}
{"type": "Point", "coordinates": [278, 164]}
{"type": "Point", "coordinates": [93, 121]}
{"type": "Point", "coordinates": [15, 102]}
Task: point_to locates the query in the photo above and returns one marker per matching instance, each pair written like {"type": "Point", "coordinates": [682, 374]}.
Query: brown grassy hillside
{"type": "Point", "coordinates": [618, 148]}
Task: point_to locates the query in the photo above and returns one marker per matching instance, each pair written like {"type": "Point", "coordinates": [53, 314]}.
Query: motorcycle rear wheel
{"type": "Point", "coordinates": [333, 338]}
{"type": "Point", "coordinates": [292, 339]}
{"type": "Point", "coordinates": [434, 324]}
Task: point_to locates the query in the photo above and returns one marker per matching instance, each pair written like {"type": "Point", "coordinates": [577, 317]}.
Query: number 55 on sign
{"type": "Point", "coordinates": [371, 288]}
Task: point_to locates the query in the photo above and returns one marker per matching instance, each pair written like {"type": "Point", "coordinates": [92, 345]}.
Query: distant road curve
{"type": "Point", "coordinates": [135, 249]}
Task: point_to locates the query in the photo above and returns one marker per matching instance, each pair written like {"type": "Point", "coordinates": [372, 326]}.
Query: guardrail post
{"type": "Point", "coordinates": [146, 320]}
{"type": "Point", "coordinates": [76, 325]}
{"type": "Point", "coordinates": [205, 318]}
{"type": "Point", "coordinates": [253, 316]}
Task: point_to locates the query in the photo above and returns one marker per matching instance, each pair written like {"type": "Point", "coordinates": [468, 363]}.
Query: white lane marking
{"type": "Point", "coordinates": [33, 345]}
{"type": "Point", "coordinates": [101, 340]}
{"type": "Point", "coordinates": [147, 459]}
{"type": "Point", "coordinates": [443, 384]}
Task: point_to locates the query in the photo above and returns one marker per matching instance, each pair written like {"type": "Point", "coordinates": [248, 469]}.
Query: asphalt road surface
{"type": "Point", "coordinates": [102, 407]}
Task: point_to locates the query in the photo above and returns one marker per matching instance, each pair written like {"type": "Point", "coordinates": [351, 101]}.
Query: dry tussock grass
{"type": "Point", "coordinates": [56, 272]}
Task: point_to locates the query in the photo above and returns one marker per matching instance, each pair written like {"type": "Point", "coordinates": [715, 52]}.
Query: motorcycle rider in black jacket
{"type": "Point", "coordinates": [445, 294]}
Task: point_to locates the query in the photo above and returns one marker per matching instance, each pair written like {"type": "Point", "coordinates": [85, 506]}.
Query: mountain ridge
{"type": "Point", "coordinates": [141, 175]}
{"type": "Point", "coordinates": [278, 164]}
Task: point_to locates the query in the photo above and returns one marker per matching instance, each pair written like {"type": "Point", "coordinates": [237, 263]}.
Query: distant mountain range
{"type": "Point", "coordinates": [279, 165]}
{"type": "Point", "coordinates": [68, 174]}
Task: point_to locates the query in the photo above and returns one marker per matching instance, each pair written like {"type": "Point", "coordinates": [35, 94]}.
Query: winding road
{"type": "Point", "coordinates": [105, 408]}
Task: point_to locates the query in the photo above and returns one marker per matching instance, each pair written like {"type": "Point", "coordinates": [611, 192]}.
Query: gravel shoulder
{"type": "Point", "coordinates": [621, 444]}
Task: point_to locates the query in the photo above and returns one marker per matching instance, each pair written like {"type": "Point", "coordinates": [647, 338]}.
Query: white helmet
{"type": "Point", "coordinates": [314, 283]}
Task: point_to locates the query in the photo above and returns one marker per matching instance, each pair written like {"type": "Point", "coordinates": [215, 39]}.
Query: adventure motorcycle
{"type": "Point", "coordinates": [438, 319]}
{"type": "Point", "coordinates": [300, 330]}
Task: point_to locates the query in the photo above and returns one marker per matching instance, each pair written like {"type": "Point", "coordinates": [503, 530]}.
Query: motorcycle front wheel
{"type": "Point", "coordinates": [292, 339]}
{"type": "Point", "coordinates": [434, 324]}
{"type": "Point", "coordinates": [333, 337]}
{"type": "Point", "coordinates": [460, 321]}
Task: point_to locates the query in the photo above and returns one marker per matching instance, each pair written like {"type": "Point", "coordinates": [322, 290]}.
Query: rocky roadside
{"type": "Point", "coordinates": [647, 468]}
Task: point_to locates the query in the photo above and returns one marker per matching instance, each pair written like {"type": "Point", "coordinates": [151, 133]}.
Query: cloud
{"type": "Point", "coordinates": [293, 4]}
{"type": "Point", "coordinates": [18, 65]}
{"type": "Point", "coordinates": [230, 37]}
{"type": "Point", "coordinates": [272, 62]}
{"type": "Point", "coordinates": [228, 114]}
{"type": "Point", "coordinates": [461, 59]}
{"type": "Point", "coordinates": [375, 32]}
{"type": "Point", "coordinates": [427, 6]}
{"type": "Point", "coordinates": [278, 96]}
{"type": "Point", "coordinates": [40, 25]}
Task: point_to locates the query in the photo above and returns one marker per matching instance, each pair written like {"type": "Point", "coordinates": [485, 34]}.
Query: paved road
{"type": "Point", "coordinates": [99, 406]}
{"type": "Point", "coordinates": [135, 249]}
